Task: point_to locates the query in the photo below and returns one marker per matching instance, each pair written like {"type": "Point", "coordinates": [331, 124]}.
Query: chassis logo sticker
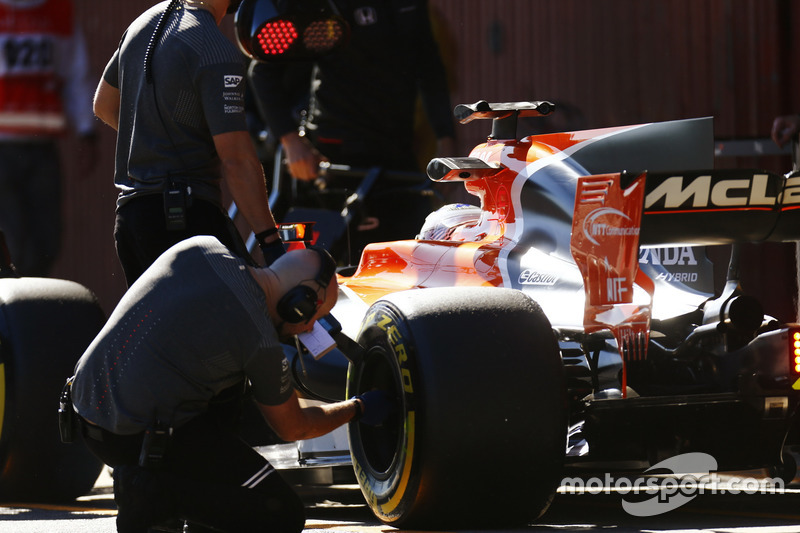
{"type": "Point", "coordinates": [532, 277]}
{"type": "Point", "coordinates": [592, 227]}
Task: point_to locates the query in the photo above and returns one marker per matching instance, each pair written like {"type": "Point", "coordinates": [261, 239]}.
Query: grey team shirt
{"type": "Point", "coordinates": [166, 127]}
{"type": "Point", "coordinates": [194, 324]}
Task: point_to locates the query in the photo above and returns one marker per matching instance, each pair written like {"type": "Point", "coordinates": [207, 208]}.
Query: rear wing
{"type": "Point", "coordinates": [615, 214]}
{"type": "Point", "coordinates": [718, 207]}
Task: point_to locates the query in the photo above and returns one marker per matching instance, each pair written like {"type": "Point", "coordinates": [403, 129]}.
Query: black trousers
{"type": "Point", "coordinates": [213, 477]}
{"type": "Point", "coordinates": [30, 204]}
{"type": "Point", "coordinates": [141, 234]}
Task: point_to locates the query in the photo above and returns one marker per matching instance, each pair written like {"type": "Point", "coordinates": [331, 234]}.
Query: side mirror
{"type": "Point", "coordinates": [296, 232]}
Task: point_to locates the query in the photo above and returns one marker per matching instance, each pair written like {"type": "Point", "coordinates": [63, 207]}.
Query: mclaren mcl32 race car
{"type": "Point", "coordinates": [570, 319]}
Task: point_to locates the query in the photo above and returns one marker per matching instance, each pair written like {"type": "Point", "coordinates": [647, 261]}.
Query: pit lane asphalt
{"type": "Point", "coordinates": [341, 510]}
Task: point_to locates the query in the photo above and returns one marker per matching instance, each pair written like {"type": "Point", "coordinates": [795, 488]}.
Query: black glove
{"type": "Point", "coordinates": [378, 405]}
{"type": "Point", "coordinates": [272, 250]}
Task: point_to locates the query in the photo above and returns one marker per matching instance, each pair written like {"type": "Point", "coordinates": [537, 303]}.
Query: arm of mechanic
{"type": "Point", "coordinates": [106, 104]}
{"type": "Point", "coordinates": [272, 83]}
{"type": "Point", "coordinates": [292, 422]}
{"type": "Point", "coordinates": [244, 175]}
{"type": "Point", "coordinates": [302, 157]}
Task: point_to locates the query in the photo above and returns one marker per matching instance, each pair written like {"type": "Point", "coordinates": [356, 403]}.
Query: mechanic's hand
{"type": "Point", "coordinates": [271, 251]}
{"type": "Point", "coordinates": [302, 157]}
{"type": "Point", "coordinates": [378, 405]}
{"type": "Point", "coordinates": [784, 128]}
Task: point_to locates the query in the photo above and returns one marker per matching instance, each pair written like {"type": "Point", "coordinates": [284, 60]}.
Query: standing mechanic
{"type": "Point", "coordinates": [186, 335]}
{"type": "Point", "coordinates": [174, 91]}
{"type": "Point", "coordinates": [44, 86]}
{"type": "Point", "coordinates": [362, 106]}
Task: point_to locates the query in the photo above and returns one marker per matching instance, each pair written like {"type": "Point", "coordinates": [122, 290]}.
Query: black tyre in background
{"type": "Point", "coordinates": [45, 326]}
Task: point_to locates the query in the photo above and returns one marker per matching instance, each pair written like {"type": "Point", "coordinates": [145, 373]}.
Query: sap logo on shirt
{"type": "Point", "coordinates": [231, 81]}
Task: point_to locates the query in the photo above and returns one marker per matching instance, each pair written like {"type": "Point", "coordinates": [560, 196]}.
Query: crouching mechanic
{"type": "Point", "coordinates": [149, 390]}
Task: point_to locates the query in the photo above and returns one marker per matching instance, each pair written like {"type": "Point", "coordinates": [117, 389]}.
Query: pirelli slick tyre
{"type": "Point", "coordinates": [45, 325]}
{"type": "Point", "coordinates": [480, 434]}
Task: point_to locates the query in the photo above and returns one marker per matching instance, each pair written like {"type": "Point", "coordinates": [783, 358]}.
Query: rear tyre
{"type": "Point", "coordinates": [481, 433]}
{"type": "Point", "coordinates": [45, 325]}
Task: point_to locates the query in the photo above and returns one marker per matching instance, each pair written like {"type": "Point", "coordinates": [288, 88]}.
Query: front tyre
{"type": "Point", "coordinates": [480, 435]}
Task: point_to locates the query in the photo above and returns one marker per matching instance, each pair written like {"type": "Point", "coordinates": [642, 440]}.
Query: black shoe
{"type": "Point", "coordinates": [142, 501]}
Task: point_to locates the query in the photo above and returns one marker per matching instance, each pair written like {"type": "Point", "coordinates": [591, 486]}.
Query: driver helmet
{"type": "Point", "coordinates": [440, 225]}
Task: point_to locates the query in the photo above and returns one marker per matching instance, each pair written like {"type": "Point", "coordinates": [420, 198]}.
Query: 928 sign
{"type": "Point", "coordinates": [26, 54]}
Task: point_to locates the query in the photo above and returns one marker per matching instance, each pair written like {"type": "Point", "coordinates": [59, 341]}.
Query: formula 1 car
{"type": "Point", "coordinates": [571, 319]}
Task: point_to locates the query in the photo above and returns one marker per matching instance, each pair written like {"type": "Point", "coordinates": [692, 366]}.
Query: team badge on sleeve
{"type": "Point", "coordinates": [233, 94]}
{"type": "Point", "coordinates": [232, 81]}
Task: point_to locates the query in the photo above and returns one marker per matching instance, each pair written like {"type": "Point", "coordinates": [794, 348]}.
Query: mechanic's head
{"type": "Point", "coordinates": [304, 288]}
